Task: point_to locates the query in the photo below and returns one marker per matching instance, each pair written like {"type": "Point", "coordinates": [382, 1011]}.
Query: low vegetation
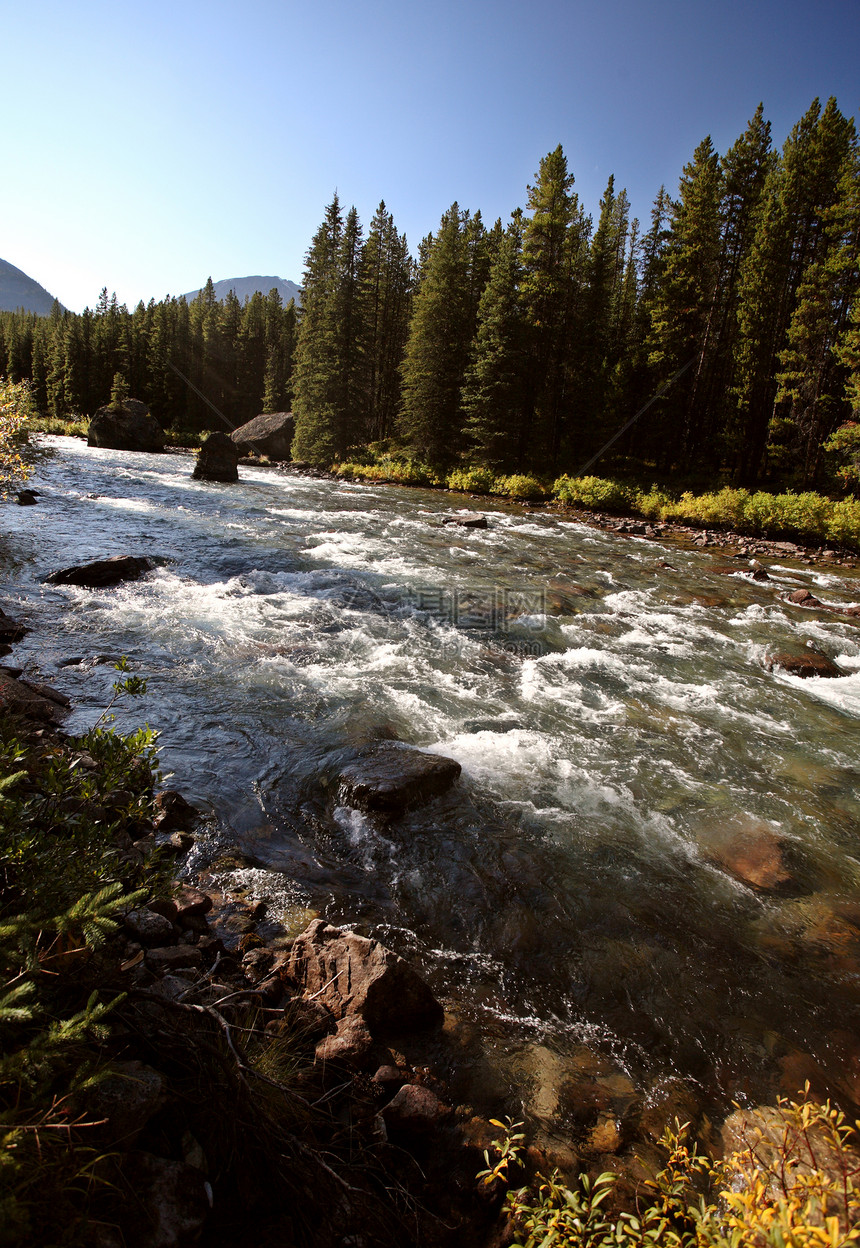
{"type": "Point", "coordinates": [15, 409]}
{"type": "Point", "coordinates": [795, 1185]}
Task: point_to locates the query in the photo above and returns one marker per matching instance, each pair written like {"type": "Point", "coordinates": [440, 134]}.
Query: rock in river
{"type": "Point", "coordinates": [270, 434]}
{"type": "Point", "coordinates": [102, 572]}
{"type": "Point", "coordinates": [389, 776]}
{"type": "Point", "coordinates": [217, 459]}
{"type": "Point", "coordinates": [809, 663]}
{"type": "Point", "coordinates": [130, 427]}
{"type": "Point", "coordinates": [351, 975]}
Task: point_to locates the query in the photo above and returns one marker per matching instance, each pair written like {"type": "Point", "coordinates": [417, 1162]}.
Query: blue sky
{"type": "Point", "coordinates": [149, 146]}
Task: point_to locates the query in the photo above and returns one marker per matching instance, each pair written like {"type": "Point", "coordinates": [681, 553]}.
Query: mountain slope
{"type": "Point", "coordinates": [17, 290]}
{"type": "Point", "coordinates": [245, 287]}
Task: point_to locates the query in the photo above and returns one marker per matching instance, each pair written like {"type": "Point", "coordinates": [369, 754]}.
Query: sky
{"type": "Point", "coordinates": [150, 146]}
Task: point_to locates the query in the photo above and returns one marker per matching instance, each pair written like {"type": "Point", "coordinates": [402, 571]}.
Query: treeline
{"type": "Point", "coordinates": [526, 347]}
{"type": "Point", "coordinates": [530, 345]}
{"type": "Point", "coordinates": [240, 356]}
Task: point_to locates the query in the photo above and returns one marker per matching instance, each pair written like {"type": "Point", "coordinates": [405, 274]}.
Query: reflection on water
{"type": "Point", "coordinates": [613, 718]}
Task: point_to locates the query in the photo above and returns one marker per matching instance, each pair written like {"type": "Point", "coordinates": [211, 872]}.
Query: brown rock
{"type": "Point", "coordinates": [350, 974]}
{"type": "Point", "coordinates": [350, 1044]}
{"type": "Point", "coordinates": [415, 1111]}
{"type": "Point", "coordinates": [100, 573]}
{"type": "Point", "coordinates": [217, 459]}
{"type": "Point", "coordinates": [170, 959]}
{"type": "Point", "coordinates": [307, 1020]}
{"type": "Point", "coordinates": [15, 695]}
{"type": "Point", "coordinates": [810, 663]}
{"type": "Point", "coordinates": [389, 776]}
{"type": "Point", "coordinates": [173, 813]}
{"type": "Point", "coordinates": [752, 852]}
{"type": "Point", "coordinates": [803, 598]}
{"type": "Point", "coordinates": [10, 630]}
{"type": "Point", "coordinates": [191, 901]}
{"type": "Point", "coordinates": [467, 522]}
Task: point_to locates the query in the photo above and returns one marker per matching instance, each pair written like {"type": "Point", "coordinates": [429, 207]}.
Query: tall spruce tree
{"type": "Point", "coordinates": [386, 287]}
{"type": "Point", "coordinates": [494, 389]}
{"type": "Point", "coordinates": [437, 349]}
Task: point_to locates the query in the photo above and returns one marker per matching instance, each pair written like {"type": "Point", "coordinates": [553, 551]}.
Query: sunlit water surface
{"type": "Point", "coordinates": [613, 717]}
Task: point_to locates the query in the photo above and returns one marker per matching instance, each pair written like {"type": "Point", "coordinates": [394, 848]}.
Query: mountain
{"type": "Point", "coordinates": [17, 290]}
{"type": "Point", "coordinates": [245, 287]}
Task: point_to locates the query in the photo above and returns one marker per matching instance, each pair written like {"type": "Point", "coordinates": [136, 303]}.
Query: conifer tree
{"type": "Point", "coordinates": [494, 389]}
{"type": "Point", "coordinates": [386, 286]}
{"type": "Point", "coordinates": [437, 350]}
{"type": "Point", "coordinates": [554, 256]}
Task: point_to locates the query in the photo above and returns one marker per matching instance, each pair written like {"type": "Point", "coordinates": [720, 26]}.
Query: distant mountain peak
{"type": "Point", "coordinates": [17, 290]}
{"type": "Point", "coordinates": [245, 287]}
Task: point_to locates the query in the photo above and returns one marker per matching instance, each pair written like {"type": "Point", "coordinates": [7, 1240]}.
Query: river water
{"type": "Point", "coordinates": [613, 716]}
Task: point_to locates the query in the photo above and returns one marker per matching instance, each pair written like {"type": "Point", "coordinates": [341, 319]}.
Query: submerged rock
{"type": "Point", "coordinates": [217, 459]}
{"type": "Point", "coordinates": [809, 663]}
{"type": "Point", "coordinates": [389, 776]}
{"type": "Point", "coordinates": [130, 428]}
{"type": "Point", "coordinates": [351, 975]}
{"type": "Point", "coordinates": [103, 572]}
{"type": "Point", "coordinates": [752, 852]}
{"type": "Point", "coordinates": [270, 434]}
{"type": "Point", "coordinates": [26, 498]}
{"type": "Point", "coordinates": [10, 630]}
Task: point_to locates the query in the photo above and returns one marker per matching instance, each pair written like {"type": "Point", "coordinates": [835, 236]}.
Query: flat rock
{"type": "Point", "coordinates": [270, 434]}
{"type": "Point", "coordinates": [151, 929]}
{"type": "Point", "coordinates": [17, 696]}
{"type": "Point", "coordinates": [131, 428]}
{"type": "Point", "coordinates": [190, 901]}
{"type": "Point", "coordinates": [350, 974]}
{"type": "Point", "coordinates": [467, 522]}
{"type": "Point", "coordinates": [173, 957]}
{"type": "Point", "coordinates": [390, 776]}
{"type": "Point", "coordinates": [99, 573]}
{"type": "Point", "coordinates": [809, 663]}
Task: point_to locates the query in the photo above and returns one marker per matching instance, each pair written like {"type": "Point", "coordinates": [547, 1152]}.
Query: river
{"type": "Point", "coordinates": [610, 705]}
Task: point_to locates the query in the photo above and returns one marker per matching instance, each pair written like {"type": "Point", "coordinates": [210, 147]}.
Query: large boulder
{"type": "Point", "coordinates": [102, 572]}
{"type": "Point", "coordinates": [270, 434]}
{"type": "Point", "coordinates": [390, 776]}
{"type": "Point", "coordinates": [351, 975]}
{"type": "Point", "coordinates": [217, 459]}
{"type": "Point", "coordinates": [131, 427]}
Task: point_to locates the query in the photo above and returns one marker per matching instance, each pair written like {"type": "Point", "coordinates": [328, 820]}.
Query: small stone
{"type": "Point", "coordinates": [164, 906]}
{"type": "Point", "coordinates": [150, 928]}
{"type": "Point", "coordinates": [809, 663]}
{"type": "Point", "coordinates": [389, 1077]}
{"type": "Point", "coordinates": [415, 1111]}
{"type": "Point", "coordinates": [173, 958]}
{"type": "Point", "coordinates": [605, 1137]}
{"type": "Point", "coordinates": [803, 598]}
{"type": "Point", "coordinates": [351, 1043]}
{"type": "Point", "coordinates": [191, 901]}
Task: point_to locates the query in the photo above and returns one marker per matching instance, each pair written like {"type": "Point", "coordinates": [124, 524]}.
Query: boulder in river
{"type": "Point", "coordinates": [26, 498]}
{"type": "Point", "coordinates": [129, 427]}
{"type": "Point", "coordinates": [10, 630]}
{"type": "Point", "coordinates": [389, 776]}
{"type": "Point", "coordinates": [100, 573]}
{"type": "Point", "coordinates": [467, 522]}
{"type": "Point", "coordinates": [217, 459]}
{"type": "Point", "coordinates": [803, 598]}
{"type": "Point", "coordinates": [351, 975]}
{"type": "Point", "coordinates": [809, 663]}
{"type": "Point", "coordinates": [752, 852]}
{"type": "Point", "coordinates": [270, 434]}
{"type": "Point", "coordinates": [33, 703]}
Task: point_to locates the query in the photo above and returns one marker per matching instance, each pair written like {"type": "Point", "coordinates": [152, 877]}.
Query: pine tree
{"type": "Point", "coordinates": [328, 354]}
{"type": "Point", "coordinates": [386, 283]}
{"type": "Point", "coordinates": [683, 304]}
{"type": "Point", "coordinates": [494, 389]}
{"type": "Point", "coordinates": [554, 257]}
{"type": "Point", "coordinates": [437, 350]}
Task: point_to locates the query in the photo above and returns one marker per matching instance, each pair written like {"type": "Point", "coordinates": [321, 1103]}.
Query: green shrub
{"type": "Point", "coordinates": [520, 485]}
{"type": "Point", "coordinates": [844, 523]}
{"type": "Point", "coordinates": [797, 1187]}
{"type": "Point", "coordinates": [472, 480]}
{"type": "Point", "coordinates": [390, 470]}
{"type": "Point", "coordinates": [594, 493]}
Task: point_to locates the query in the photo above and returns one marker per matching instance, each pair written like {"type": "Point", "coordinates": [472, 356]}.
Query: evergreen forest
{"type": "Point", "coordinates": [527, 346]}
